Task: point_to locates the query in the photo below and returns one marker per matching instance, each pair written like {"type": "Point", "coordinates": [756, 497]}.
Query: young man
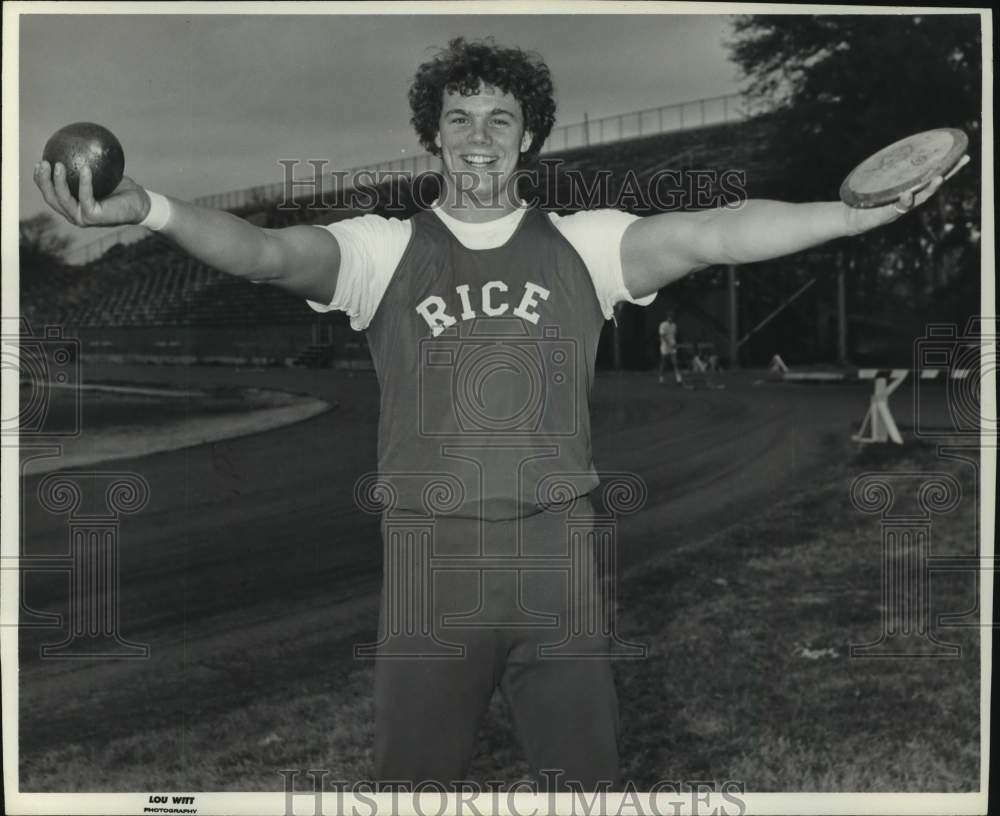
{"type": "Point", "coordinates": [483, 319]}
{"type": "Point", "coordinates": [668, 347]}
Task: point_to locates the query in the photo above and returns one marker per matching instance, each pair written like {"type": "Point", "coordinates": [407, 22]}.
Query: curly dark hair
{"type": "Point", "coordinates": [463, 66]}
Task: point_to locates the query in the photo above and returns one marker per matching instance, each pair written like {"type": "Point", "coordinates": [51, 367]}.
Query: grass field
{"type": "Point", "coordinates": [751, 678]}
{"type": "Point", "coordinates": [748, 675]}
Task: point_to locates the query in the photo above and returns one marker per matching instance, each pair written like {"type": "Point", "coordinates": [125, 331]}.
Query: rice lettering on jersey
{"type": "Point", "coordinates": [433, 308]}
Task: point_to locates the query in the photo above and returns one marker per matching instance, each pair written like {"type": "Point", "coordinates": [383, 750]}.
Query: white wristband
{"type": "Point", "coordinates": [159, 212]}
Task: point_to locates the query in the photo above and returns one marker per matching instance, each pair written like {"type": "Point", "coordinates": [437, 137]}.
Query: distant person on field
{"type": "Point", "coordinates": [668, 348]}
{"type": "Point", "coordinates": [705, 365]}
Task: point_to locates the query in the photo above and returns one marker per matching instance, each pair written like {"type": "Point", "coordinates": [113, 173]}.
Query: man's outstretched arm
{"type": "Point", "coordinates": [303, 260]}
{"type": "Point", "coordinates": [659, 249]}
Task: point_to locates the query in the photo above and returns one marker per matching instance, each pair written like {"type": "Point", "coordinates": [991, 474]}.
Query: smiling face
{"type": "Point", "coordinates": [481, 138]}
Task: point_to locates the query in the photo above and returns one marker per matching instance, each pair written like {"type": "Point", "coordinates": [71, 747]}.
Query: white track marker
{"type": "Point", "coordinates": [879, 420]}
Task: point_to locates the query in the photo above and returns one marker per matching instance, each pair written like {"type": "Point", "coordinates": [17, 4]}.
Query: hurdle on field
{"type": "Point", "coordinates": [878, 423]}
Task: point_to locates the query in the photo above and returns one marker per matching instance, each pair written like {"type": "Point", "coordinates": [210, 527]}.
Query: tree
{"type": "Point", "coordinates": [843, 86]}
{"type": "Point", "coordinates": [42, 245]}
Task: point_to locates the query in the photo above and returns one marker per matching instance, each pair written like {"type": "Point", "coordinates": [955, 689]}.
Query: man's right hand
{"type": "Point", "coordinates": [128, 204]}
{"type": "Point", "coordinates": [302, 259]}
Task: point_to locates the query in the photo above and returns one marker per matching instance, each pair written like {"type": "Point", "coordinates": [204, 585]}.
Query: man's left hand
{"type": "Point", "coordinates": [859, 220]}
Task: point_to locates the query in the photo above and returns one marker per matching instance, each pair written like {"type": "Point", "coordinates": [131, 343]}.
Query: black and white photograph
{"type": "Point", "coordinates": [497, 408]}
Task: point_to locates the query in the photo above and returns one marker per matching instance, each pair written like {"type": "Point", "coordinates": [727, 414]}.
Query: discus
{"type": "Point", "coordinates": [907, 165]}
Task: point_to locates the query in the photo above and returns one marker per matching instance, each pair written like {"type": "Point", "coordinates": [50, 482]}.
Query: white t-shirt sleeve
{"type": "Point", "coordinates": [597, 236]}
{"type": "Point", "coordinates": [371, 248]}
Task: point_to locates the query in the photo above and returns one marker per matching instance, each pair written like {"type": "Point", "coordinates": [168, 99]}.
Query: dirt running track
{"type": "Point", "coordinates": [252, 573]}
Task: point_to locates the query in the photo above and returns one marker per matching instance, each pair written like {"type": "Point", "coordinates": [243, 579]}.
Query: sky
{"type": "Point", "coordinates": [208, 103]}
